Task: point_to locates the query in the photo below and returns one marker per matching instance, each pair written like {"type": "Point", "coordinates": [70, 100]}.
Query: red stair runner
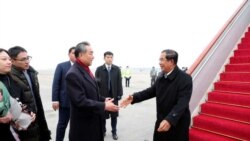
{"type": "Point", "coordinates": [225, 116]}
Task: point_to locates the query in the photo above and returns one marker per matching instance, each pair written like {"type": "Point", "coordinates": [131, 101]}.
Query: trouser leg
{"type": "Point", "coordinates": [64, 115]}
{"type": "Point", "coordinates": [113, 124]}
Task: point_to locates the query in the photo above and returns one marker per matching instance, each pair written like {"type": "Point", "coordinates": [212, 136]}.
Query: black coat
{"type": "Point", "coordinates": [35, 106]}
{"type": "Point", "coordinates": [172, 101]}
{"type": "Point", "coordinates": [101, 75]}
{"type": "Point", "coordinates": [87, 106]}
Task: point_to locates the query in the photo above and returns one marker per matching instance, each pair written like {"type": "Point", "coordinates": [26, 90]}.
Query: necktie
{"type": "Point", "coordinates": [165, 75]}
{"type": "Point", "coordinates": [109, 78]}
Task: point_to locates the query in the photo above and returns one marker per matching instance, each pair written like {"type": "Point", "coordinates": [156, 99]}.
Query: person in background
{"type": "Point", "coordinates": [60, 98]}
{"type": "Point", "coordinates": [127, 76]}
{"type": "Point", "coordinates": [25, 75]}
{"type": "Point", "coordinates": [109, 80]}
{"type": "Point", "coordinates": [87, 106]}
{"type": "Point", "coordinates": [173, 90]}
{"type": "Point", "coordinates": [122, 72]}
{"type": "Point", "coordinates": [153, 75]}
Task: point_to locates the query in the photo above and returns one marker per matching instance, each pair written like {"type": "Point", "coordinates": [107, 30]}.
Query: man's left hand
{"type": "Point", "coordinates": [164, 126]}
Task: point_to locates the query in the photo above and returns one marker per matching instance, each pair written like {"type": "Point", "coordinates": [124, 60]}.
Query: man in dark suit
{"type": "Point", "coordinates": [109, 81]}
{"type": "Point", "coordinates": [87, 105]}
{"type": "Point", "coordinates": [172, 89]}
{"type": "Point", "coordinates": [60, 98]}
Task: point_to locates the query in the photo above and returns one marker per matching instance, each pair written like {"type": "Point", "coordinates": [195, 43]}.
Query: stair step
{"type": "Point", "coordinates": [235, 76]}
{"type": "Point", "coordinates": [237, 60]}
{"type": "Point", "coordinates": [242, 52]}
{"type": "Point", "coordinates": [200, 135]}
{"type": "Point", "coordinates": [245, 40]}
{"type": "Point", "coordinates": [230, 98]}
{"type": "Point", "coordinates": [223, 126]}
{"type": "Point", "coordinates": [243, 46]}
{"type": "Point", "coordinates": [247, 34]}
{"type": "Point", "coordinates": [243, 87]}
{"type": "Point", "coordinates": [238, 67]}
{"type": "Point", "coordinates": [227, 111]}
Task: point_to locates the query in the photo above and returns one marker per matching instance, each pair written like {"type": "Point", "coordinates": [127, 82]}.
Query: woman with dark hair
{"type": "Point", "coordinates": [5, 67]}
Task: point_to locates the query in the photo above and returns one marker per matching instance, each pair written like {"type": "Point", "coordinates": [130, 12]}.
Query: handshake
{"type": "Point", "coordinates": [110, 106]}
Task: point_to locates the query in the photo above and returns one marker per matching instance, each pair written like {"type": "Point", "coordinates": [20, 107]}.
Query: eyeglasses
{"type": "Point", "coordinates": [28, 58]}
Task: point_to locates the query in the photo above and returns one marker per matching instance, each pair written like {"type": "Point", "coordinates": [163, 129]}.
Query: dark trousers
{"type": "Point", "coordinates": [64, 115]}
{"type": "Point", "coordinates": [127, 81]}
{"type": "Point", "coordinates": [113, 124]}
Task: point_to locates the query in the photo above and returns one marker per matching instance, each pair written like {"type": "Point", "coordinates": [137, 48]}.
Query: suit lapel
{"type": "Point", "coordinates": [87, 76]}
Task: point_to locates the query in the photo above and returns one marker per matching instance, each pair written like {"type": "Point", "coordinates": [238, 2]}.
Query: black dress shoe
{"type": "Point", "coordinates": [115, 137]}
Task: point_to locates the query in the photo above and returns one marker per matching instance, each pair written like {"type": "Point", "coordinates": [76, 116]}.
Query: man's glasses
{"type": "Point", "coordinates": [28, 58]}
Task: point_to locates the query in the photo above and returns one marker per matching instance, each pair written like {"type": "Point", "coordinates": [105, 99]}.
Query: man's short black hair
{"type": "Point", "coordinates": [70, 49]}
{"type": "Point", "coordinates": [108, 53]}
{"type": "Point", "coordinates": [14, 51]}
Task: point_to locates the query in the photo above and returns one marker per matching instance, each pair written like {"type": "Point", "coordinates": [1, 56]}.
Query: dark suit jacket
{"type": "Point", "coordinates": [172, 100]}
{"type": "Point", "coordinates": [101, 75]}
{"type": "Point", "coordinates": [59, 84]}
{"type": "Point", "coordinates": [87, 106]}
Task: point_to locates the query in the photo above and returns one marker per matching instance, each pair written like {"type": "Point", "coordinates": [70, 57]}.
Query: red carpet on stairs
{"type": "Point", "coordinates": [225, 116]}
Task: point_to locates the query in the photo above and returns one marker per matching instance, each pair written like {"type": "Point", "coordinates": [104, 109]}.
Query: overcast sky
{"type": "Point", "coordinates": [136, 31]}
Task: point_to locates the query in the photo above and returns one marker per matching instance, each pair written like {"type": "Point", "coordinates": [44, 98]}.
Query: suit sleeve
{"type": "Point", "coordinates": [78, 95]}
{"type": "Point", "coordinates": [144, 95]}
{"type": "Point", "coordinates": [184, 95]}
{"type": "Point", "coordinates": [56, 83]}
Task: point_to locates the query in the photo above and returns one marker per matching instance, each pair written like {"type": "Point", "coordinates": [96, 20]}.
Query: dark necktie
{"type": "Point", "coordinates": [109, 78]}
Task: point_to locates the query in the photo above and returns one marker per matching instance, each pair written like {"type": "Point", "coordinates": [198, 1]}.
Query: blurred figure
{"type": "Point", "coordinates": [27, 78]}
{"type": "Point", "coordinates": [172, 89]}
{"type": "Point", "coordinates": [127, 76]}
{"type": "Point", "coordinates": [184, 69]}
{"type": "Point", "coordinates": [109, 81]}
{"type": "Point", "coordinates": [60, 98]}
{"type": "Point", "coordinates": [87, 105]}
{"type": "Point", "coordinates": [153, 75]}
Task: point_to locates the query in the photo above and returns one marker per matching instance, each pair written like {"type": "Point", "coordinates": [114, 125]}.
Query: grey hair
{"type": "Point", "coordinates": [81, 48]}
{"type": "Point", "coordinates": [171, 55]}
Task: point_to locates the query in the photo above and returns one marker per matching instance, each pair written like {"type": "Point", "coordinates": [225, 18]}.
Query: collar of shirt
{"type": "Point", "coordinates": [167, 74]}
{"type": "Point", "coordinates": [108, 66]}
{"type": "Point", "coordinates": [71, 63]}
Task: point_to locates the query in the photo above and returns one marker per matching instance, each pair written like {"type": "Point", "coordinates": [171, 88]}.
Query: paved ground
{"type": "Point", "coordinates": [135, 122]}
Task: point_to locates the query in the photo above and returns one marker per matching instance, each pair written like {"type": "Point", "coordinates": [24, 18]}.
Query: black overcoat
{"type": "Point", "coordinates": [172, 101]}
{"type": "Point", "coordinates": [87, 106]}
{"type": "Point", "coordinates": [101, 75]}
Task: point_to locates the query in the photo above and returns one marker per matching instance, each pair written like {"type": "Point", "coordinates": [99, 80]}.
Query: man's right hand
{"type": "Point", "coordinates": [55, 105]}
{"type": "Point", "coordinates": [125, 102]}
{"type": "Point", "coordinates": [110, 106]}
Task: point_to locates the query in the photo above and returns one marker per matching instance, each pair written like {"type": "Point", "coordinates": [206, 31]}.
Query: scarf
{"type": "Point", "coordinates": [5, 101]}
{"type": "Point", "coordinates": [85, 67]}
